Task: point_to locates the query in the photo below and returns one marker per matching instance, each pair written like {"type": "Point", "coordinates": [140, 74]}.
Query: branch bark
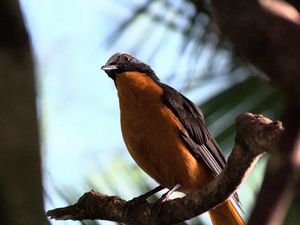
{"type": "Point", "coordinates": [255, 136]}
{"type": "Point", "coordinates": [281, 178]}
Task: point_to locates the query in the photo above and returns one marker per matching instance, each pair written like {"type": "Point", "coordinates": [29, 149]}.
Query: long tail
{"type": "Point", "coordinates": [225, 214]}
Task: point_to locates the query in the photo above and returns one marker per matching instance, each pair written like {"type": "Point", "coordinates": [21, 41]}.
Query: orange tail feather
{"type": "Point", "coordinates": [225, 214]}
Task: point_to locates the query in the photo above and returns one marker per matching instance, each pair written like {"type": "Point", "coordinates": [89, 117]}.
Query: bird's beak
{"type": "Point", "coordinates": [109, 67]}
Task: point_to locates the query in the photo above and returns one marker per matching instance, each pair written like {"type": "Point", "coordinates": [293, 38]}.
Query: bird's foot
{"type": "Point", "coordinates": [156, 209]}
{"type": "Point", "coordinates": [142, 199]}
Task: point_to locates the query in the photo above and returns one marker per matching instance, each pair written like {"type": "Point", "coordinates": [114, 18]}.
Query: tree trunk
{"type": "Point", "coordinates": [21, 198]}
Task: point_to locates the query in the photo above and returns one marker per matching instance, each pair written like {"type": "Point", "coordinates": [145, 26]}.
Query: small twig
{"type": "Point", "coordinates": [255, 135]}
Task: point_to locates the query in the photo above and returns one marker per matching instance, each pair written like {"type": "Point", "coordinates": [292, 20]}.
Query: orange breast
{"type": "Point", "coordinates": [152, 134]}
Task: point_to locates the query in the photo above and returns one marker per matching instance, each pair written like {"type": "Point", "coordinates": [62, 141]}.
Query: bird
{"type": "Point", "coordinates": [166, 135]}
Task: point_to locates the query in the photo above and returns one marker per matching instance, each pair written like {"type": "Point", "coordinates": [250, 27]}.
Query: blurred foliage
{"type": "Point", "coordinates": [293, 215]}
{"type": "Point", "coordinates": [251, 95]}
{"type": "Point", "coordinates": [205, 58]}
{"type": "Point", "coordinates": [202, 41]}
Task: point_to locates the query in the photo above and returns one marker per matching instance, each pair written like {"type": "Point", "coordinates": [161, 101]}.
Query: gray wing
{"type": "Point", "coordinates": [196, 135]}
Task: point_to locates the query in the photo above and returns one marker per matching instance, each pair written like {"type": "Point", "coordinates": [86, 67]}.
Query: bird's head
{"type": "Point", "coordinates": [124, 62]}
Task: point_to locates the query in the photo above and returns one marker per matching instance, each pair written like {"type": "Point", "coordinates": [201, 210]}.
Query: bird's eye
{"type": "Point", "coordinates": [126, 58]}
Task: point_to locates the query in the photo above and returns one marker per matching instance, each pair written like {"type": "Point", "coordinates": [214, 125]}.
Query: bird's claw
{"type": "Point", "coordinates": [134, 202]}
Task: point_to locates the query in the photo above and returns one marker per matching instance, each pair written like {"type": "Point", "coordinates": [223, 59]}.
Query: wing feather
{"type": "Point", "coordinates": [195, 134]}
{"type": "Point", "coordinates": [201, 144]}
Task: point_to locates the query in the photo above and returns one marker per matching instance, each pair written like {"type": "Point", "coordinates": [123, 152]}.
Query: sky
{"type": "Point", "coordinates": [78, 104]}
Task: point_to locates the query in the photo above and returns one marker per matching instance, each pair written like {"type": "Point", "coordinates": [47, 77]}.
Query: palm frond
{"type": "Point", "coordinates": [191, 19]}
{"type": "Point", "coordinates": [253, 94]}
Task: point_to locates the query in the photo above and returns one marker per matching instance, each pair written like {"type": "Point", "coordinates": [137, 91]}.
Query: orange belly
{"type": "Point", "coordinates": [152, 135]}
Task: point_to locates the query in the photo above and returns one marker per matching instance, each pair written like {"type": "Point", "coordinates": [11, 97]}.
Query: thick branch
{"type": "Point", "coordinates": [255, 135]}
{"type": "Point", "coordinates": [267, 34]}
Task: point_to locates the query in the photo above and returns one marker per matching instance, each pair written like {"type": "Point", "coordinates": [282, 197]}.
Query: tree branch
{"type": "Point", "coordinates": [281, 177]}
{"type": "Point", "coordinates": [255, 136]}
